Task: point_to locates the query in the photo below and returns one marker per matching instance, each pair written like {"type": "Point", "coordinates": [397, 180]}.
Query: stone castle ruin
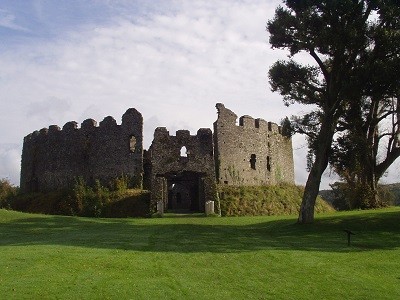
{"type": "Point", "coordinates": [53, 158]}
{"type": "Point", "coordinates": [182, 171]}
{"type": "Point", "coordinates": [252, 153]}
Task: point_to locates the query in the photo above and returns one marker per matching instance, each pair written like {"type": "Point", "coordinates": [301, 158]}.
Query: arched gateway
{"type": "Point", "coordinates": [182, 180]}
{"type": "Point", "coordinates": [185, 191]}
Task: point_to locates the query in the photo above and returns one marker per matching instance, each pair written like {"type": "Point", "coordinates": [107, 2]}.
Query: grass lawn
{"type": "Point", "coordinates": [54, 257]}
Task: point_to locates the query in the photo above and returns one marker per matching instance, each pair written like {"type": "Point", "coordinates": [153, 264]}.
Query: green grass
{"type": "Point", "coordinates": [284, 199]}
{"type": "Point", "coordinates": [189, 257]}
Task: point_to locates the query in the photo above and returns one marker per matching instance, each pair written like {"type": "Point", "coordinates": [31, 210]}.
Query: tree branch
{"type": "Point", "coordinates": [320, 64]}
{"type": "Point", "coordinates": [384, 165]}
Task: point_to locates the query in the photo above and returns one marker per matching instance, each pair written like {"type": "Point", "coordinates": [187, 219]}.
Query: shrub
{"type": "Point", "coordinates": [88, 201]}
{"type": "Point", "coordinates": [347, 197]}
{"type": "Point", "coordinates": [91, 200]}
{"type": "Point", "coordinates": [121, 184]}
{"type": "Point", "coordinates": [7, 192]}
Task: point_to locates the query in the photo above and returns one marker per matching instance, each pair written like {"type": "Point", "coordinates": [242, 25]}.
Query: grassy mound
{"type": "Point", "coordinates": [126, 203]}
{"type": "Point", "coordinates": [264, 200]}
{"type": "Point", "coordinates": [131, 203]}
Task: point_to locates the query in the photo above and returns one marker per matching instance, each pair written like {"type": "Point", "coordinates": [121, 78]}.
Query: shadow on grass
{"type": "Point", "coordinates": [372, 231]}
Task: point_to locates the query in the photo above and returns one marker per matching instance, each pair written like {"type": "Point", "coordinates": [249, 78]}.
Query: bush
{"type": "Point", "coordinates": [88, 201]}
{"type": "Point", "coordinates": [346, 197]}
{"type": "Point", "coordinates": [120, 184]}
{"type": "Point", "coordinates": [7, 192]}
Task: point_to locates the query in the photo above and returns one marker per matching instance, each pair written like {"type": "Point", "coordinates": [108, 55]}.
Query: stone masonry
{"type": "Point", "coordinates": [254, 152]}
{"type": "Point", "coordinates": [53, 158]}
{"type": "Point", "coordinates": [181, 171]}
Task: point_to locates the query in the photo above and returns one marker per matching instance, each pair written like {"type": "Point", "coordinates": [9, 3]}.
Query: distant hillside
{"type": "Point", "coordinates": [327, 195]}
{"type": "Point", "coordinates": [394, 188]}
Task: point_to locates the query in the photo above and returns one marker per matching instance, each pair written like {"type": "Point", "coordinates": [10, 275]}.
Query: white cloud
{"type": "Point", "coordinates": [51, 109]}
{"type": "Point", "coordinates": [8, 20]}
{"type": "Point", "coordinates": [299, 155]}
{"type": "Point", "coordinates": [171, 64]}
{"type": "Point", "coordinates": [10, 157]}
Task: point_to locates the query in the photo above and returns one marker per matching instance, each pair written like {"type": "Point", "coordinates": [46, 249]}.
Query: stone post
{"type": "Point", "coordinates": [160, 207]}
{"type": "Point", "coordinates": [209, 208]}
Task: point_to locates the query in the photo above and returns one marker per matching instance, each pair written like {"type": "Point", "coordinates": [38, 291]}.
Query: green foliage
{"type": "Point", "coordinates": [88, 201]}
{"type": "Point", "coordinates": [47, 203]}
{"type": "Point", "coordinates": [278, 174]}
{"type": "Point", "coordinates": [137, 182]}
{"type": "Point", "coordinates": [287, 128]}
{"type": "Point", "coordinates": [234, 174]}
{"type": "Point", "coordinates": [348, 197]}
{"type": "Point", "coordinates": [121, 184]}
{"type": "Point", "coordinates": [131, 203]}
{"type": "Point", "coordinates": [386, 195]}
{"type": "Point", "coordinates": [354, 46]}
{"type": "Point", "coordinates": [369, 140]}
{"type": "Point", "coordinates": [92, 200]}
{"type": "Point", "coordinates": [217, 167]}
{"type": "Point", "coordinates": [44, 257]}
{"type": "Point", "coordinates": [7, 192]}
{"type": "Point", "coordinates": [394, 189]}
{"type": "Point", "coordinates": [264, 200]}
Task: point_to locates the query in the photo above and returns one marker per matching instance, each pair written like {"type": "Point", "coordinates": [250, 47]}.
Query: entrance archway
{"type": "Point", "coordinates": [185, 191]}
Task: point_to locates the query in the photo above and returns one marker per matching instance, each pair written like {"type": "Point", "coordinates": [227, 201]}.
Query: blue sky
{"type": "Point", "coordinates": [171, 60]}
{"type": "Point", "coordinates": [24, 21]}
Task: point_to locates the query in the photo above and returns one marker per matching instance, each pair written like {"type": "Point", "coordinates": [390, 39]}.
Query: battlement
{"type": "Point", "coordinates": [182, 138]}
{"type": "Point", "coordinates": [53, 157]}
{"type": "Point", "coordinates": [227, 118]}
{"type": "Point", "coordinates": [253, 152]}
{"type": "Point", "coordinates": [131, 119]}
{"type": "Point", "coordinates": [162, 133]}
{"type": "Point", "coordinates": [241, 151]}
{"type": "Point", "coordinates": [182, 168]}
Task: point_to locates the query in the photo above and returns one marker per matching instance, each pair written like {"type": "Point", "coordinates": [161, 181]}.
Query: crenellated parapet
{"type": "Point", "coordinates": [251, 151]}
{"type": "Point", "coordinates": [167, 149]}
{"type": "Point", "coordinates": [228, 119]}
{"type": "Point", "coordinates": [52, 158]}
{"type": "Point", "coordinates": [182, 168]}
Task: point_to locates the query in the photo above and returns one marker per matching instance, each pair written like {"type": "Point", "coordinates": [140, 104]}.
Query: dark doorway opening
{"type": "Point", "coordinates": [185, 191]}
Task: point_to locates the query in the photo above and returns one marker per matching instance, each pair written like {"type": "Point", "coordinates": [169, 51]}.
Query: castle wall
{"type": "Point", "coordinates": [53, 158]}
{"type": "Point", "coordinates": [193, 170]}
{"type": "Point", "coordinates": [254, 152]}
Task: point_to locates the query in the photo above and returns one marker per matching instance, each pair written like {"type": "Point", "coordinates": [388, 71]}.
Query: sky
{"type": "Point", "coordinates": [173, 61]}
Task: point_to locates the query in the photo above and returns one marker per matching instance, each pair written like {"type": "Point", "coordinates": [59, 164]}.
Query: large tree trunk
{"type": "Point", "coordinates": [369, 187]}
{"type": "Point", "coordinates": [374, 200]}
{"type": "Point", "coordinates": [306, 214]}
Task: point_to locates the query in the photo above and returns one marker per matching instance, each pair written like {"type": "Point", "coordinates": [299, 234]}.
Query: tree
{"type": "Point", "coordinates": [370, 140]}
{"type": "Point", "coordinates": [7, 191]}
{"type": "Point", "coordinates": [335, 34]}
